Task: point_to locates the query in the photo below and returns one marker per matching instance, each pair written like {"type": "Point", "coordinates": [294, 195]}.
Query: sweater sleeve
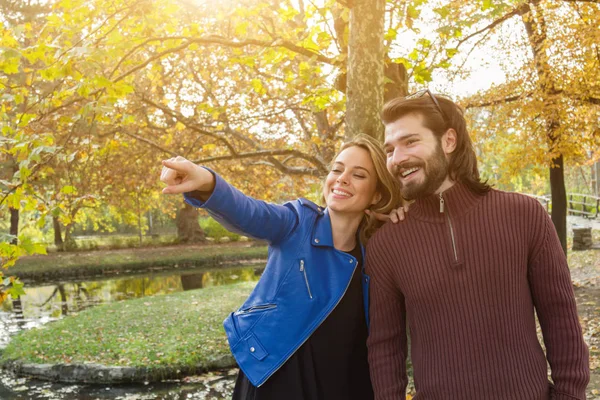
{"type": "Point", "coordinates": [554, 299]}
{"type": "Point", "coordinates": [387, 342]}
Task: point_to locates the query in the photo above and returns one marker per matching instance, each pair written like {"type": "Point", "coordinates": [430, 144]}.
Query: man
{"type": "Point", "coordinates": [465, 270]}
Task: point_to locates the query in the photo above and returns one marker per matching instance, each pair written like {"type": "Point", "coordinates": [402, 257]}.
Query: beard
{"type": "Point", "coordinates": [435, 169]}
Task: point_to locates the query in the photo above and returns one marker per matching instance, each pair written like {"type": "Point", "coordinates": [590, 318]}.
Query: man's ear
{"type": "Point", "coordinates": [449, 141]}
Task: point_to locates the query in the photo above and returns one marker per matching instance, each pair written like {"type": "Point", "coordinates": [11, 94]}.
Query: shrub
{"type": "Point", "coordinates": [214, 230]}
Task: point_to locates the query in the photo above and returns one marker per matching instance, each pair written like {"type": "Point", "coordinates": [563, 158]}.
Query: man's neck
{"type": "Point", "coordinates": [447, 184]}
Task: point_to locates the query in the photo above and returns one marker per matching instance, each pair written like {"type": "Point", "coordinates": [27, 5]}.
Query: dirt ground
{"type": "Point", "coordinates": [585, 273]}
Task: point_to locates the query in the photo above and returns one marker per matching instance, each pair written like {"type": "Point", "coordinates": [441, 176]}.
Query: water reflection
{"type": "Point", "coordinates": [49, 302]}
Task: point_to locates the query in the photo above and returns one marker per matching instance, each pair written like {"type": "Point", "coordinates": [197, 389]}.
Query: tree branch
{"type": "Point", "coordinates": [189, 125]}
{"type": "Point", "coordinates": [219, 40]}
{"type": "Point", "coordinates": [259, 153]}
{"type": "Point", "coordinates": [495, 102]}
{"type": "Point", "coordinates": [522, 9]}
{"type": "Point", "coordinates": [149, 142]}
{"type": "Point", "coordinates": [291, 170]}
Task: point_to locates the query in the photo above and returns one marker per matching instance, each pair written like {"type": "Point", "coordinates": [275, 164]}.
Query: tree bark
{"type": "Point", "coordinates": [396, 78]}
{"type": "Point", "coordinates": [58, 240]}
{"type": "Point", "coordinates": [559, 200]}
{"type": "Point", "coordinates": [596, 175]}
{"type": "Point", "coordinates": [14, 225]}
{"type": "Point", "coordinates": [188, 227]}
{"type": "Point", "coordinates": [366, 56]}
{"type": "Point", "coordinates": [70, 243]}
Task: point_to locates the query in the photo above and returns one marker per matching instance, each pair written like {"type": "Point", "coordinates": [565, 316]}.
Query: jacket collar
{"type": "Point", "coordinates": [322, 235]}
{"type": "Point", "coordinates": [458, 201]}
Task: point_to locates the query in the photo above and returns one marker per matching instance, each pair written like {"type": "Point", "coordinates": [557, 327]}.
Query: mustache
{"type": "Point", "coordinates": [406, 165]}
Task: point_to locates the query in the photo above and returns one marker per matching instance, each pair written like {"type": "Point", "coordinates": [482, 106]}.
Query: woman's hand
{"type": "Point", "coordinates": [181, 176]}
{"type": "Point", "coordinates": [395, 215]}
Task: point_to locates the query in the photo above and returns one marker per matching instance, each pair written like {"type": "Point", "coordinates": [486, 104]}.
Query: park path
{"type": "Point", "coordinates": [582, 222]}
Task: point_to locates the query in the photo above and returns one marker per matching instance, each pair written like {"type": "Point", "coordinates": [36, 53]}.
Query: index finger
{"type": "Point", "coordinates": [182, 165]}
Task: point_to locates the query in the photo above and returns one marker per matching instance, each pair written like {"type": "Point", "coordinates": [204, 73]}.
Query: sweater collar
{"type": "Point", "coordinates": [458, 201]}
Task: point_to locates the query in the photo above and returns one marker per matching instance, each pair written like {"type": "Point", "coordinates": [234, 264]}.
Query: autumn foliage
{"type": "Point", "coordinates": [96, 93]}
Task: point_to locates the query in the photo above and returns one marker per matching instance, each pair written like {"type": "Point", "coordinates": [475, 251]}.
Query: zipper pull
{"type": "Point", "coordinates": [301, 265]}
{"type": "Point", "coordinates": [441, 204]}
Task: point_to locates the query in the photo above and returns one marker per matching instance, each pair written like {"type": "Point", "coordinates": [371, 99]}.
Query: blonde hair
{"type": "Point", "coordinates": [387, 185]}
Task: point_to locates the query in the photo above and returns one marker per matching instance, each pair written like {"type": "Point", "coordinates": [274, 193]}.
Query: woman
{"type": "Point", "coordinates": [301, 334]}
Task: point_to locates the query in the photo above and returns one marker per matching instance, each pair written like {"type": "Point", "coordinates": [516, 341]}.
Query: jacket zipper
{"type": "Point", "coordinates": [451, 228]}
{"type": "Point", "coordinates": [317, 327]}
{"type": "Point", "coordinates": [303, 270]}
{"type": "Point", "coordinates": [252, 309]}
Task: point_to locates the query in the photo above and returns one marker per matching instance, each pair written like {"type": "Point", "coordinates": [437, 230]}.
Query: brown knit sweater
{"type": "Point", "coordinates": [467, 281]}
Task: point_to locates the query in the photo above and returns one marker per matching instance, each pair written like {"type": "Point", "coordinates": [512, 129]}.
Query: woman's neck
{"type": "Point", "coordinates": [343, 229]}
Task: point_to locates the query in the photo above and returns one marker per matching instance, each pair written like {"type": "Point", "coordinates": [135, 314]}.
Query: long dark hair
{"type": "Point", "coordinates": [462, 163]}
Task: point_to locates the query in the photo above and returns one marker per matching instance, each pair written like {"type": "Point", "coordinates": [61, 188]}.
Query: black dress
{"type": "Point", "coordinates": [331, 364]}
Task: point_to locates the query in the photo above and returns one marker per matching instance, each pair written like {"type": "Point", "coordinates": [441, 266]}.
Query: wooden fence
{"type": "Point", "coordinates": [584, 205]}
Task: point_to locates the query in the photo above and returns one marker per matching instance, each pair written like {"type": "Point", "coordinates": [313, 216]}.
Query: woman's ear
{"type": "Point", "coordinates": [376, 198]}
{"type": "Point", "coordinates": [449, 141]}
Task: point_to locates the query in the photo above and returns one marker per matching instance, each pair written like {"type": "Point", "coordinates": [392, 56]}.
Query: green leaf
{"type": "Point", "coordinates": [68, 190]}
{"type": "Point", "coordinates": [442, 11]}
{"type": "Point", "coordinates": [16, 289]}
{"type": "Point", "coordinates": [451, 52]}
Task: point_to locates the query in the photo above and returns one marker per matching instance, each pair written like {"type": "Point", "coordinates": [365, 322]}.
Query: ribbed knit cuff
{"type": "Point", "coordinates": [564, 396]}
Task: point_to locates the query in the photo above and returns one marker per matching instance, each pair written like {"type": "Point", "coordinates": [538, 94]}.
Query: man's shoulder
{"type": "Point", "coordinates": [382, 234]}
{"type": "Point", "coordinates": [393, 232]}
{"type": "Point", "coordinates": [513, 200]}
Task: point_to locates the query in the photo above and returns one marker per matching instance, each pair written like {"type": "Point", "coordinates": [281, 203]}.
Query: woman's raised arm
{"type": "Point", "coordinates": [203, 188]}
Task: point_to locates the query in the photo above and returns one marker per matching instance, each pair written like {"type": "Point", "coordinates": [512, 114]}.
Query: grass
{"type": "Point", "coordinates": [181, 331]}
{"type": "Point", "coordinates": [111, 262]}
{"type": "Point", "coordinates": [116, 241]}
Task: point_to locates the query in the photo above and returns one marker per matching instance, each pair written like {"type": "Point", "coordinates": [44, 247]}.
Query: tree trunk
{"type": "Point", "coordinates": [596, 181]}
{"type": "Point", "coordinates": [14, 224]}
{"type": "Point", "coordinates": [58, 241]}
{"type": "Point", "coordinates": [188, 227]}
{"type": "Point", "coordinates": [396, 78]}
{"type": "Point", "coordinates": [535, 26]}
{"type": "Point", "coordinates": [366, 56]}
{"type": "Point", "coordinates": [139, 215]}
{"type": "Point", "coordinates": [559, 200]}
{"type": "Point", "coordinates": [70, 243]}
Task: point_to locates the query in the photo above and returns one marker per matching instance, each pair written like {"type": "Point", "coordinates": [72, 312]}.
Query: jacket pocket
{"type": "Point", "coordinates": [255, 309]}
{"type": "Point", "coordinates": [305, 276]}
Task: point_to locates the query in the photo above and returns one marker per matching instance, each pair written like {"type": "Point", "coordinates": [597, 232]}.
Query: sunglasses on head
{"type": "Point", "coordinates": [424, 92]}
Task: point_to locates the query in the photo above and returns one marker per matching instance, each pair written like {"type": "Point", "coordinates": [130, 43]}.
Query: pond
{"type": "Point", "coordinates": [51, 301]}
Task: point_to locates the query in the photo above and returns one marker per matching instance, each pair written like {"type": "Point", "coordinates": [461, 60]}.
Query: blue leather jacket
{"type": "Point", "coordinates": [304, 279]}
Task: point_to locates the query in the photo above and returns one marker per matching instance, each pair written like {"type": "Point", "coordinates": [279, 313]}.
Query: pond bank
{"type": "Point", "coordinates": [215, 385]}
{"type": "Point", "coordinates": [142, 340]}
{"type": "Point", "coordinates": [80, 265]}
